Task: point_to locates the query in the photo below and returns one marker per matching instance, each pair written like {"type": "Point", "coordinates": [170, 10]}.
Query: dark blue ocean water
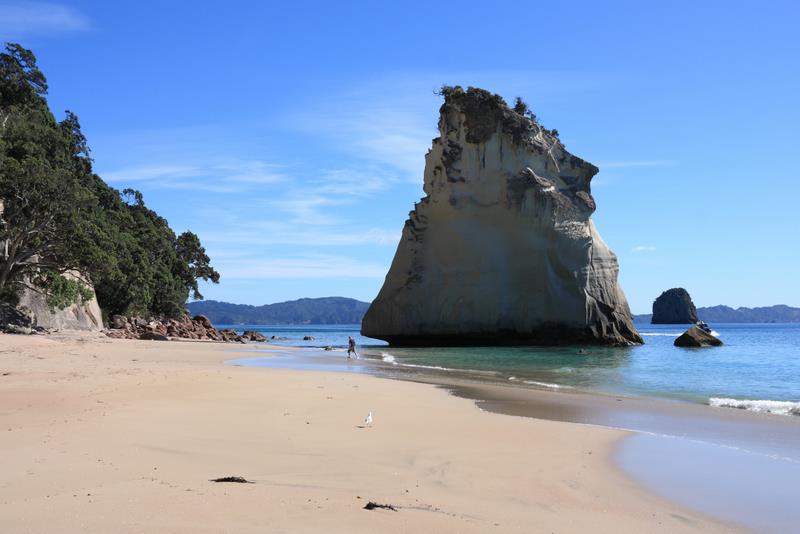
{"type": "Point", "coordinates": [759, 362]}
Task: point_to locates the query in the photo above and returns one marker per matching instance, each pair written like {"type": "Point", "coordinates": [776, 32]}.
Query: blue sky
{"type": "Point", "coordinates": [291, 136]}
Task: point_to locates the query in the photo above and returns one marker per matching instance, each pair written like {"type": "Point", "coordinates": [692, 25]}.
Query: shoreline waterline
{"type": "Point", "coordinates": [663, 432]}
{"type": "Point", "coordinates": [756, 370]}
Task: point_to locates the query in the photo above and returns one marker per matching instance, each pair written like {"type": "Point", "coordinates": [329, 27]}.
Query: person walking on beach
{"type": "Point", "coordinates": [351, 346]}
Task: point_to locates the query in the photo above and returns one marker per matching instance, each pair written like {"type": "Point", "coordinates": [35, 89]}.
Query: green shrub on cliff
{"type": "Point", "coordinates": [57, 215]}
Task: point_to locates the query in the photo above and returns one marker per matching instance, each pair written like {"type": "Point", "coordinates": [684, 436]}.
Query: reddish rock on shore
{"type": "Point", "coordinates": [185, 327]}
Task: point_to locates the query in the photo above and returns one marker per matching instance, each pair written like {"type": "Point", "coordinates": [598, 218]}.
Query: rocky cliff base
{"type": "Point", "coordinates": [14, 320]}
{"type": "Point", "coordinates": [32, 313]}
{"type": "Point", "coordinates": [184, 327]}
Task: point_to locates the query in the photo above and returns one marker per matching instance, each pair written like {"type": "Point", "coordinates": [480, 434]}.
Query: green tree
{"type": "Point", "coordinates": [42, 165]}
{"type": "Point", "coordinates": [193, 263]}
{"type": "Point", "coordinates": [57, 215]}
{"type": "Point", "coordinates": [520, 107]}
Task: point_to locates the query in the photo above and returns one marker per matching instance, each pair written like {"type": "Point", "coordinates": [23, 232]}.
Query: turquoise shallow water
{"type": "Point", "coordinates": [758, 362]}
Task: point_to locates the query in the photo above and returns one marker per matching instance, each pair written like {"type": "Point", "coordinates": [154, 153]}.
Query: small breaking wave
{"type": "Point", "coordinates": [658, 334]}
{"type": "Point", "coordinates": [389, 358]}
{"type": "Point", "coordinates": [760, 406]}
{"type": "Point", "coordinates": [544, 384]}
{"type": "Point", "coordinates": [434, 367]}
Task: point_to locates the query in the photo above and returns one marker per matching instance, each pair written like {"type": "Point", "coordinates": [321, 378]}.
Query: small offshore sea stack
{"type": "Point", "coordinates": [502, 250]}
{"type": "Point", "coordinates": [674, 306]}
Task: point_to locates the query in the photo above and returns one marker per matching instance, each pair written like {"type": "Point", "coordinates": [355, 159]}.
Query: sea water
{"type": "Point", "coordinates": [757, 369]}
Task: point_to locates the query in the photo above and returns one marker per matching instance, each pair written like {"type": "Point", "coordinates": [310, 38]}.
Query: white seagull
{"type": "Point", "coordinates": [368, 419]}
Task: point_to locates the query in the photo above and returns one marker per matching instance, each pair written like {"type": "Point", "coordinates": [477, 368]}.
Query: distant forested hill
{"type": "Point", "coordinates": [327, 310]}
{"type": "Point", "coordinates": [725, 314]}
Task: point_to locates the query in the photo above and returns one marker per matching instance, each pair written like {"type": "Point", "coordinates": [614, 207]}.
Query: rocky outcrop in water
{"type": "Point", "coordinates": [674, 306]}
{"type": "Point", "coordinates": [697, 337]}
{"type": "Point", "coordinates": [502, 250]}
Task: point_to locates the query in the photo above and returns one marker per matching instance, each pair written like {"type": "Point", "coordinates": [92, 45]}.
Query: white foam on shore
{"type": "Point", "coordinates": [760, 406]}
{"type": "Point", "coordinates": [436, 367]}
{"type": "Point", "coordinates": [390, 358]}
{"type": "Point", "coordinates": [544, 384]}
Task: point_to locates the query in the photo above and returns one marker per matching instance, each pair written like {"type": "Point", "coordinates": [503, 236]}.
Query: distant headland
{"type": "Point", "coordinates": [780, 313]}
{"type": "Point", "coordinates": [342, 310]}
{"type": "Point", "coordinates": [326, 310]}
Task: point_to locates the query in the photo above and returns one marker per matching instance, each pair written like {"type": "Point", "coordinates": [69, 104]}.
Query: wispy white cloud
{"type": "Point", "coordinates": [319, 200]}
{"type": "Point", "coordinates": [25, 18]}
{"type": "Point", "coordinates": [635, 163]}
{"type": "Point", "coordinates": [356, 182]}
{"type": "Point", "coordinates": [221, 177]}
{"type": "Point", "coordinates": [390, 120]}
{"type": "Point", "coordinates": [386, 121]}
{"type": "Point", "coordinates": [604, 179]}
{"type": "Point", "coordinates": [308, 208]}
{"type": "Point", "coordinates": [393, 138]}
{"type": "Point", "coordinates": [308, 266]}
{"type": "Point", "coordinates": [644, 248]}
{"type": "Point", "coordinates": [267, 233]}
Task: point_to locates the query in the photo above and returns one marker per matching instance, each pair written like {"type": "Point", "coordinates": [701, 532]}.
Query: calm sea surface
{"type": "Point", "coordinates": [759, 362]}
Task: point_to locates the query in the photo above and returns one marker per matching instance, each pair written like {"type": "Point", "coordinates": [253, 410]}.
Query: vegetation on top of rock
{"type": "Point", "coordinates": [521, 108]}
{"type": "Point", "coordinates": [484, 110]}
{"type": "Point", "coordinates": [60, 290]}
{"type": "Point", "coordinates": [58, 216]}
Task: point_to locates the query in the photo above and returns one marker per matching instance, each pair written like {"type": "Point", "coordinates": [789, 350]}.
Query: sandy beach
{"type": "Point", "coordinates": [104, 435]}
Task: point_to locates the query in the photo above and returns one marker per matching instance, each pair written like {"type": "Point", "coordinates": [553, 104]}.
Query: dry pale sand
{"type": "Point", "coordinates": [103, 435]}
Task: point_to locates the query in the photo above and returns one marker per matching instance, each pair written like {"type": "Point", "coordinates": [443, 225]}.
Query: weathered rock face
{"type": "Point", "coordinates": [674, 306]}
{"type": "Point", "coordinates": [83, 315]}
{"type": "Point", "coordinates": [697, 337]}
{"type": "Point", "coordinates": [14, 320]}
{"type": "Point", "coordinates": [502, 249]}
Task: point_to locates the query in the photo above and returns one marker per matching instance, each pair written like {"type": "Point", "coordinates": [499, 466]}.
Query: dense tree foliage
{"type": "Point", "coordinates": [59, 216]}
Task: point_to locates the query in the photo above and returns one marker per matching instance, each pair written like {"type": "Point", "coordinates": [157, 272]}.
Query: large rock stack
{"type": "Point", "coordinates": [502, 249]}
{"type": "Point", "coordinates": [674, 306]}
